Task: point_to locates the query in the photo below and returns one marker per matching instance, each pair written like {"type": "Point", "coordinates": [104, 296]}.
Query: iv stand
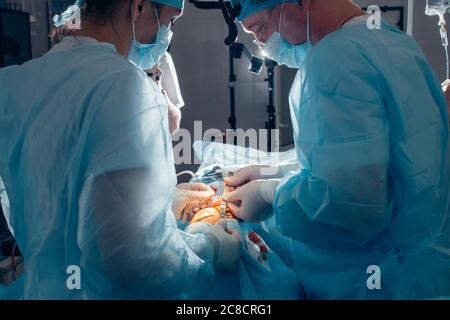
{"type": "Point", "coordinates": [235, 52]}
{"type": "Point", "coordinates": [232, 118]}
{"type": "Point", "coordinates": [271, 111]}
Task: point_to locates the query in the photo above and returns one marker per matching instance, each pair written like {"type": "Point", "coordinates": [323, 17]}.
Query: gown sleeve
{"type": "Point", "coordinates": [129, 242]}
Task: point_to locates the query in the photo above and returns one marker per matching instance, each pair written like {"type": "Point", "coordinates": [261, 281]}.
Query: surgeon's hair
{"type": "Point", "coordinates": [102, 10]}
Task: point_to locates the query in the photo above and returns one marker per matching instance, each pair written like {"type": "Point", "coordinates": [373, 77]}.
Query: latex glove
{"type": "Point", "coordinates": [251, 173]}
{"type": "Point", "coordinates": [255, 200]}
{"type": "Point", "coordinates": [198, 227]}
{"type": "Point", "coordinates": [227, 244]}
{"type": "Point", "coordinates": [188, 196]}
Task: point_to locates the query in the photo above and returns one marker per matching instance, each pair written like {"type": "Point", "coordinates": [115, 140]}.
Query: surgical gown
{"type": "Point", "coordinates": [371, 132]}
{"type": "Point", "coordinates": [87, 163]}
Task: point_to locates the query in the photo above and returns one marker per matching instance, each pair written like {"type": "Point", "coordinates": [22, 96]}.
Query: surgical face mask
{"type": "Point", "coordinates": [280, 50]}
{"type": "Point", "coordinates": [147, 56]}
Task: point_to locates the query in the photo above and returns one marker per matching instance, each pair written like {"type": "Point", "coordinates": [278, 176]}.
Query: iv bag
{"type": "Point", "coordinates": [437, 7]}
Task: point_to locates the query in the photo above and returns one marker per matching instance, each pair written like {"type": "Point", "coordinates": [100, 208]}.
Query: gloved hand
{"type": "Point", "coordinates": [255, 200]}
{"type": "Point", "coordinates": [227, 244]}
{"type": "Point", "coordinates": [251, 173]}
{"type": "Point", "coordinates": [198, 227]}
{"type": "Point", "coordinates": [188, 196]}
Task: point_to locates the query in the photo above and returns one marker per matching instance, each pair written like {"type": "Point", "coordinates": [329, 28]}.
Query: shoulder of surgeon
{"type": "Point", "coordinates": [356, 55]}
{"type": "Point", "coordinates": [102, 60]}
{"type": "Point", "coordinates": [82, 68]}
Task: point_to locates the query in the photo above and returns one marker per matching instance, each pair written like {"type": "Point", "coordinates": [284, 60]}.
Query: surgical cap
{"type": "Point", "coordinates": [67, 16]}
{"type": "Point", "coordinates": [173, 3]}
{"type": "Point", "coordinates": [179, 4]}
{"type": "Point", "coordinates": [250, 7]}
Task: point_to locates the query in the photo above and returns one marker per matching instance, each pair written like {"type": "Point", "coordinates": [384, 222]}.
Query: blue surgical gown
{"type": "Point", "coordinates": [371, 133]}
{"type": "Point", "coordinates": [87, 163]}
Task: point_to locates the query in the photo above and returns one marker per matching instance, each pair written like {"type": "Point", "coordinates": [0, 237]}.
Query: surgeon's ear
{"type": "Point", "coordinates": [136, 8]}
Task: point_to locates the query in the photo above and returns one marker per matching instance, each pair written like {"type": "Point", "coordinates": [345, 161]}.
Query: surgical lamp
{"type": "Point", "coordinates": [256, 63]}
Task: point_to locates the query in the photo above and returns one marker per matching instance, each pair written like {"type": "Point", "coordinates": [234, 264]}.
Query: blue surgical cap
{"type": "Point", "coordinates": [179, 4]}
{"type": "Point", "coordinates": [173, 3]}
{"type": "Point", "coordinates": [68, 15]}
{"type": "Point", "coordinates": [250, 7]}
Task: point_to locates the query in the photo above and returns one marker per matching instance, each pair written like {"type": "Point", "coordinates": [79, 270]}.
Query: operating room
{"type": "Point", "coordinates": [224, 150]}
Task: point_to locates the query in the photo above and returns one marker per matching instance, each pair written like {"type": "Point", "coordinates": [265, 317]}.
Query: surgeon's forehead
{"type": "Point", "coordinates": [176, 11]}
{"type": "Point", "coordinates": [254, 20]}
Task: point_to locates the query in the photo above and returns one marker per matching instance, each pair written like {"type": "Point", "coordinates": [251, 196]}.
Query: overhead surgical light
{"type": "Point", "coordinates": [256, 63]}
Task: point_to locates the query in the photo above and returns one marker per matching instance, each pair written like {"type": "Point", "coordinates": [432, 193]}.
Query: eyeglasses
{"type": "Point", "coordinates": [258, 33]}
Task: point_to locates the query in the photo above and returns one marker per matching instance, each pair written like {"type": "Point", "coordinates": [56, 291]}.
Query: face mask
{"type": "Point", "coordinates": [147, 56]}
{"type": "Point", "coordinates": [280, 50]}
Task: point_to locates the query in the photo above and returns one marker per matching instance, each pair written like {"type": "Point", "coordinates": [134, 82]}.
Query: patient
{"type": "Point", "coordinates": [259, 274]}
{"type": "Point", "coordinates": [203, 215]}
{"type": "Point", "coordinates": [211, 213]}
{"type": "Point", "coordinates": [208, 212]}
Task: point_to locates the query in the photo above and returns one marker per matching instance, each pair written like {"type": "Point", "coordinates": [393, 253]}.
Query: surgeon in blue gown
{"type": "Point", "coordinates": [87, 163]}
{"type": "Point", "coordinates": [367, 213]}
